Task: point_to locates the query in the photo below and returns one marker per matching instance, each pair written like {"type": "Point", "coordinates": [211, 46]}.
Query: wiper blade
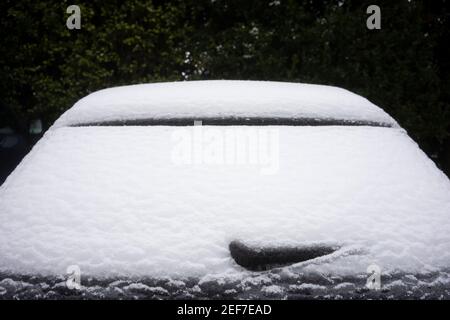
{"type": "Point", "coordinates": [265, 258]}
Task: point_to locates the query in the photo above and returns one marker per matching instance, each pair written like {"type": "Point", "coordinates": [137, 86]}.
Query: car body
{"type": "Point", "coordinates": [139, 189]}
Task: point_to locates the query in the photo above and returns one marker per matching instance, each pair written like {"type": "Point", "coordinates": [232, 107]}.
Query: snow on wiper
{"type": "Point", "coordinates": [265, 258]}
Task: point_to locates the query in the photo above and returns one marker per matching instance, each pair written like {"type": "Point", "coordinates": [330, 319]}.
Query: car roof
{"type": "Point", "coordinates": [224, 99]}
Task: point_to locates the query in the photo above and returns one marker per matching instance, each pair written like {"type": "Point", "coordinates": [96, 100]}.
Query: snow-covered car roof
{"type": "Point", "coordinates": [224, 99]}
{"type": "Point", "coordinates": [117, 202]}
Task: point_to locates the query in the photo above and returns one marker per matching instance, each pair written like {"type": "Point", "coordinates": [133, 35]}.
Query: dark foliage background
{"type": "Point", "coordinates": [404, 67]}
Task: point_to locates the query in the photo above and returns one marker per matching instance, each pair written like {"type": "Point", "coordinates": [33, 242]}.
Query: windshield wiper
{"type": "Point", "coordinates": [265, 258]}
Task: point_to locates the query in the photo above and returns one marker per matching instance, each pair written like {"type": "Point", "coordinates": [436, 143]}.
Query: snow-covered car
{"type": "Point", "coordinates": [225, 189]}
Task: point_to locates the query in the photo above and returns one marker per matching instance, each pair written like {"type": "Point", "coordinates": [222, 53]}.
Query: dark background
{"type": "Point", "coordinates": [404, 67]}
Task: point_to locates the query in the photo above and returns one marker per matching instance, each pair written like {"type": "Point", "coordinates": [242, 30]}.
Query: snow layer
{"type": "Point", "coordinates": [223, 98]}
{"type": "Point", "coordinates": [112, 201]}
{"type": "Point", "coordinates": [275, 284]}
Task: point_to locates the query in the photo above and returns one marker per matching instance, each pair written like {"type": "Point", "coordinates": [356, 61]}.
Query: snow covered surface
{"type": "Point", "coordinates": [276, 284]}
{"type": "Point", "coordinates": [222, 98]}
{"type": "Point", "coordinates": [112, 201]}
